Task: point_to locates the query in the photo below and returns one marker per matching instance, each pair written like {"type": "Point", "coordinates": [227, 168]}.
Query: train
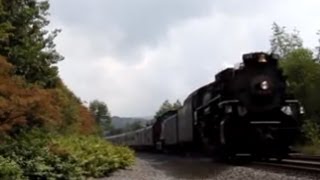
{"type": "Point", "coordinates": [247, 110]}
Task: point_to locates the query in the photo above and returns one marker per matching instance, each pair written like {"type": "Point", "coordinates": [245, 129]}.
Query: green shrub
{"type": "Point", "coordinates": [311, 131]}
{"type": "Point", "coordinates": [310, 144]}
{"type": "Point", "coordinates": [9, 169]}
{"type": "Point", "coordinates": [309, 149]}
{"type": "Point", "coordinates": [46, 156]}
{"type": "Point", "coordinates": [94, 155]}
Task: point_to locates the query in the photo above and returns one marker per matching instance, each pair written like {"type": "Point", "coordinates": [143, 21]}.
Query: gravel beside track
{"type": "Point", "coordinates": [166, 167]}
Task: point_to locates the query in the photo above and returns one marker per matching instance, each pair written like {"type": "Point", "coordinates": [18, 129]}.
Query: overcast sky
{"type": "Point", "coordinates": [134, 54]}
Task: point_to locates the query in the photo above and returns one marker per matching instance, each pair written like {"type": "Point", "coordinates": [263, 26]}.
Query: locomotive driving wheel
{"type": "Point", "coordinates": [202, 139]}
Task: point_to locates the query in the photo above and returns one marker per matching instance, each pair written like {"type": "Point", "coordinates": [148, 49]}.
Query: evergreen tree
{"type": "Point", "coordinates": [26, 43]}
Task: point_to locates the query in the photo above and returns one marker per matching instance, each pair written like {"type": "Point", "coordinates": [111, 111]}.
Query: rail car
{"type": "Point", "coordinates": [246, 110]}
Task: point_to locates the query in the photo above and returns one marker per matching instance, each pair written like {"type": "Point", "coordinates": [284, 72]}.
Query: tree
{"type": "Point", "coordinates": [26, 43]}
{"type": "Point", "coordinates": [101, 113]}
{"type": "Point", "coordinates": [282, 42]}
{"type": "Point", "coordinates": [165, 107]}
{"type": "Point", "coordinates": [318, 48]}
{"type": "Point", "coordinates": [304, 79]}
{"type": "Point", "coordinates": [303, 74]}
{"type": "Point", "coordinates": [177, 105]}
{"type": "Point", "coordinates": [299, 66]}
{"type": "Point", "coordinates": [133, 126]}
{"type": "Point", "coordinates": [5, 26]}
{"type": "Point", "coordinates": [24, 106]}
{"type": "Point", "coordinates": [114, 131]}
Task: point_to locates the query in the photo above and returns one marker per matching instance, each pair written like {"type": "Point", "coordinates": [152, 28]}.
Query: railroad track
{"type": "Point", "coordinates": [295, 162]}
{"type": "Point", "coordinates": [298, 156]}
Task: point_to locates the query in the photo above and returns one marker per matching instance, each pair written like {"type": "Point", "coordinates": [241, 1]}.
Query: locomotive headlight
{"type": "Point", "coordinates": [264, 85]}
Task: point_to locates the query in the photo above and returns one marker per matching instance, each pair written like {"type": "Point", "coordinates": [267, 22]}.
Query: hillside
{"type": "Point", "coordinates": [121, 122]}
{"type": "Point", "coordinates": [46, 130]}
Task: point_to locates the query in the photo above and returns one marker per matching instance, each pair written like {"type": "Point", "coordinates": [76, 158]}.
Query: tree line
{"type": "Point", "coordinates": [102, 116]}
{"type": "Point", "coordinates": [167, 106]}
{"type": "Point", "coordinates": [301, 65]}
{"type": "Point", "coordinates": [32, 94]}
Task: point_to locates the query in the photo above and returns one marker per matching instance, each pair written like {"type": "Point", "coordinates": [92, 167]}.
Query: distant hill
{"type": "Point", "coordinates": [121, 122]}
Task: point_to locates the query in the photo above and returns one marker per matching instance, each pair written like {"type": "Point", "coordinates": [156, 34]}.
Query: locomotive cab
{"type": "Point", "coordinates": [260, 59]}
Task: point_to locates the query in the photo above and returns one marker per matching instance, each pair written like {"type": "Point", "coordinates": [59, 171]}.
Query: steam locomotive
{"type": "Point", "coordinates": [246, 110]}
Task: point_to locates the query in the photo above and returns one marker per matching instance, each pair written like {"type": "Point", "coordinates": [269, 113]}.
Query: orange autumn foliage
{"type": "Point", "coordinates": [87, 123]}
{"type": "Point", "coordinates": [27, 105]}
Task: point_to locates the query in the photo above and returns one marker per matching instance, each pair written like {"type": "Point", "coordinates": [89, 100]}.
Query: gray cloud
{"type": "Point", "coordinates": [121, 27]}
{"type": "Point", "coordinates": [135, 54]}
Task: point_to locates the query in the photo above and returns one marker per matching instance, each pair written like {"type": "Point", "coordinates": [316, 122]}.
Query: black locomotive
{"type": "Point", "coordinates": [246, 110]}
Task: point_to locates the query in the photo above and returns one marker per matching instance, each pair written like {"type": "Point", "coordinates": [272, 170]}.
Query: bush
{"type": "Point", "coordinates": [9, 169]}
{"type": "Point", "coordinates": [311, 131]}
{"type": "Point", "coordinates": [310, 141]}
{"type": "Point", "coordinates": [38, 155]}
{"type": "Point", "coordinates": [309, 149]}
{"type": "Point", "coordinates": [95, 156]}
